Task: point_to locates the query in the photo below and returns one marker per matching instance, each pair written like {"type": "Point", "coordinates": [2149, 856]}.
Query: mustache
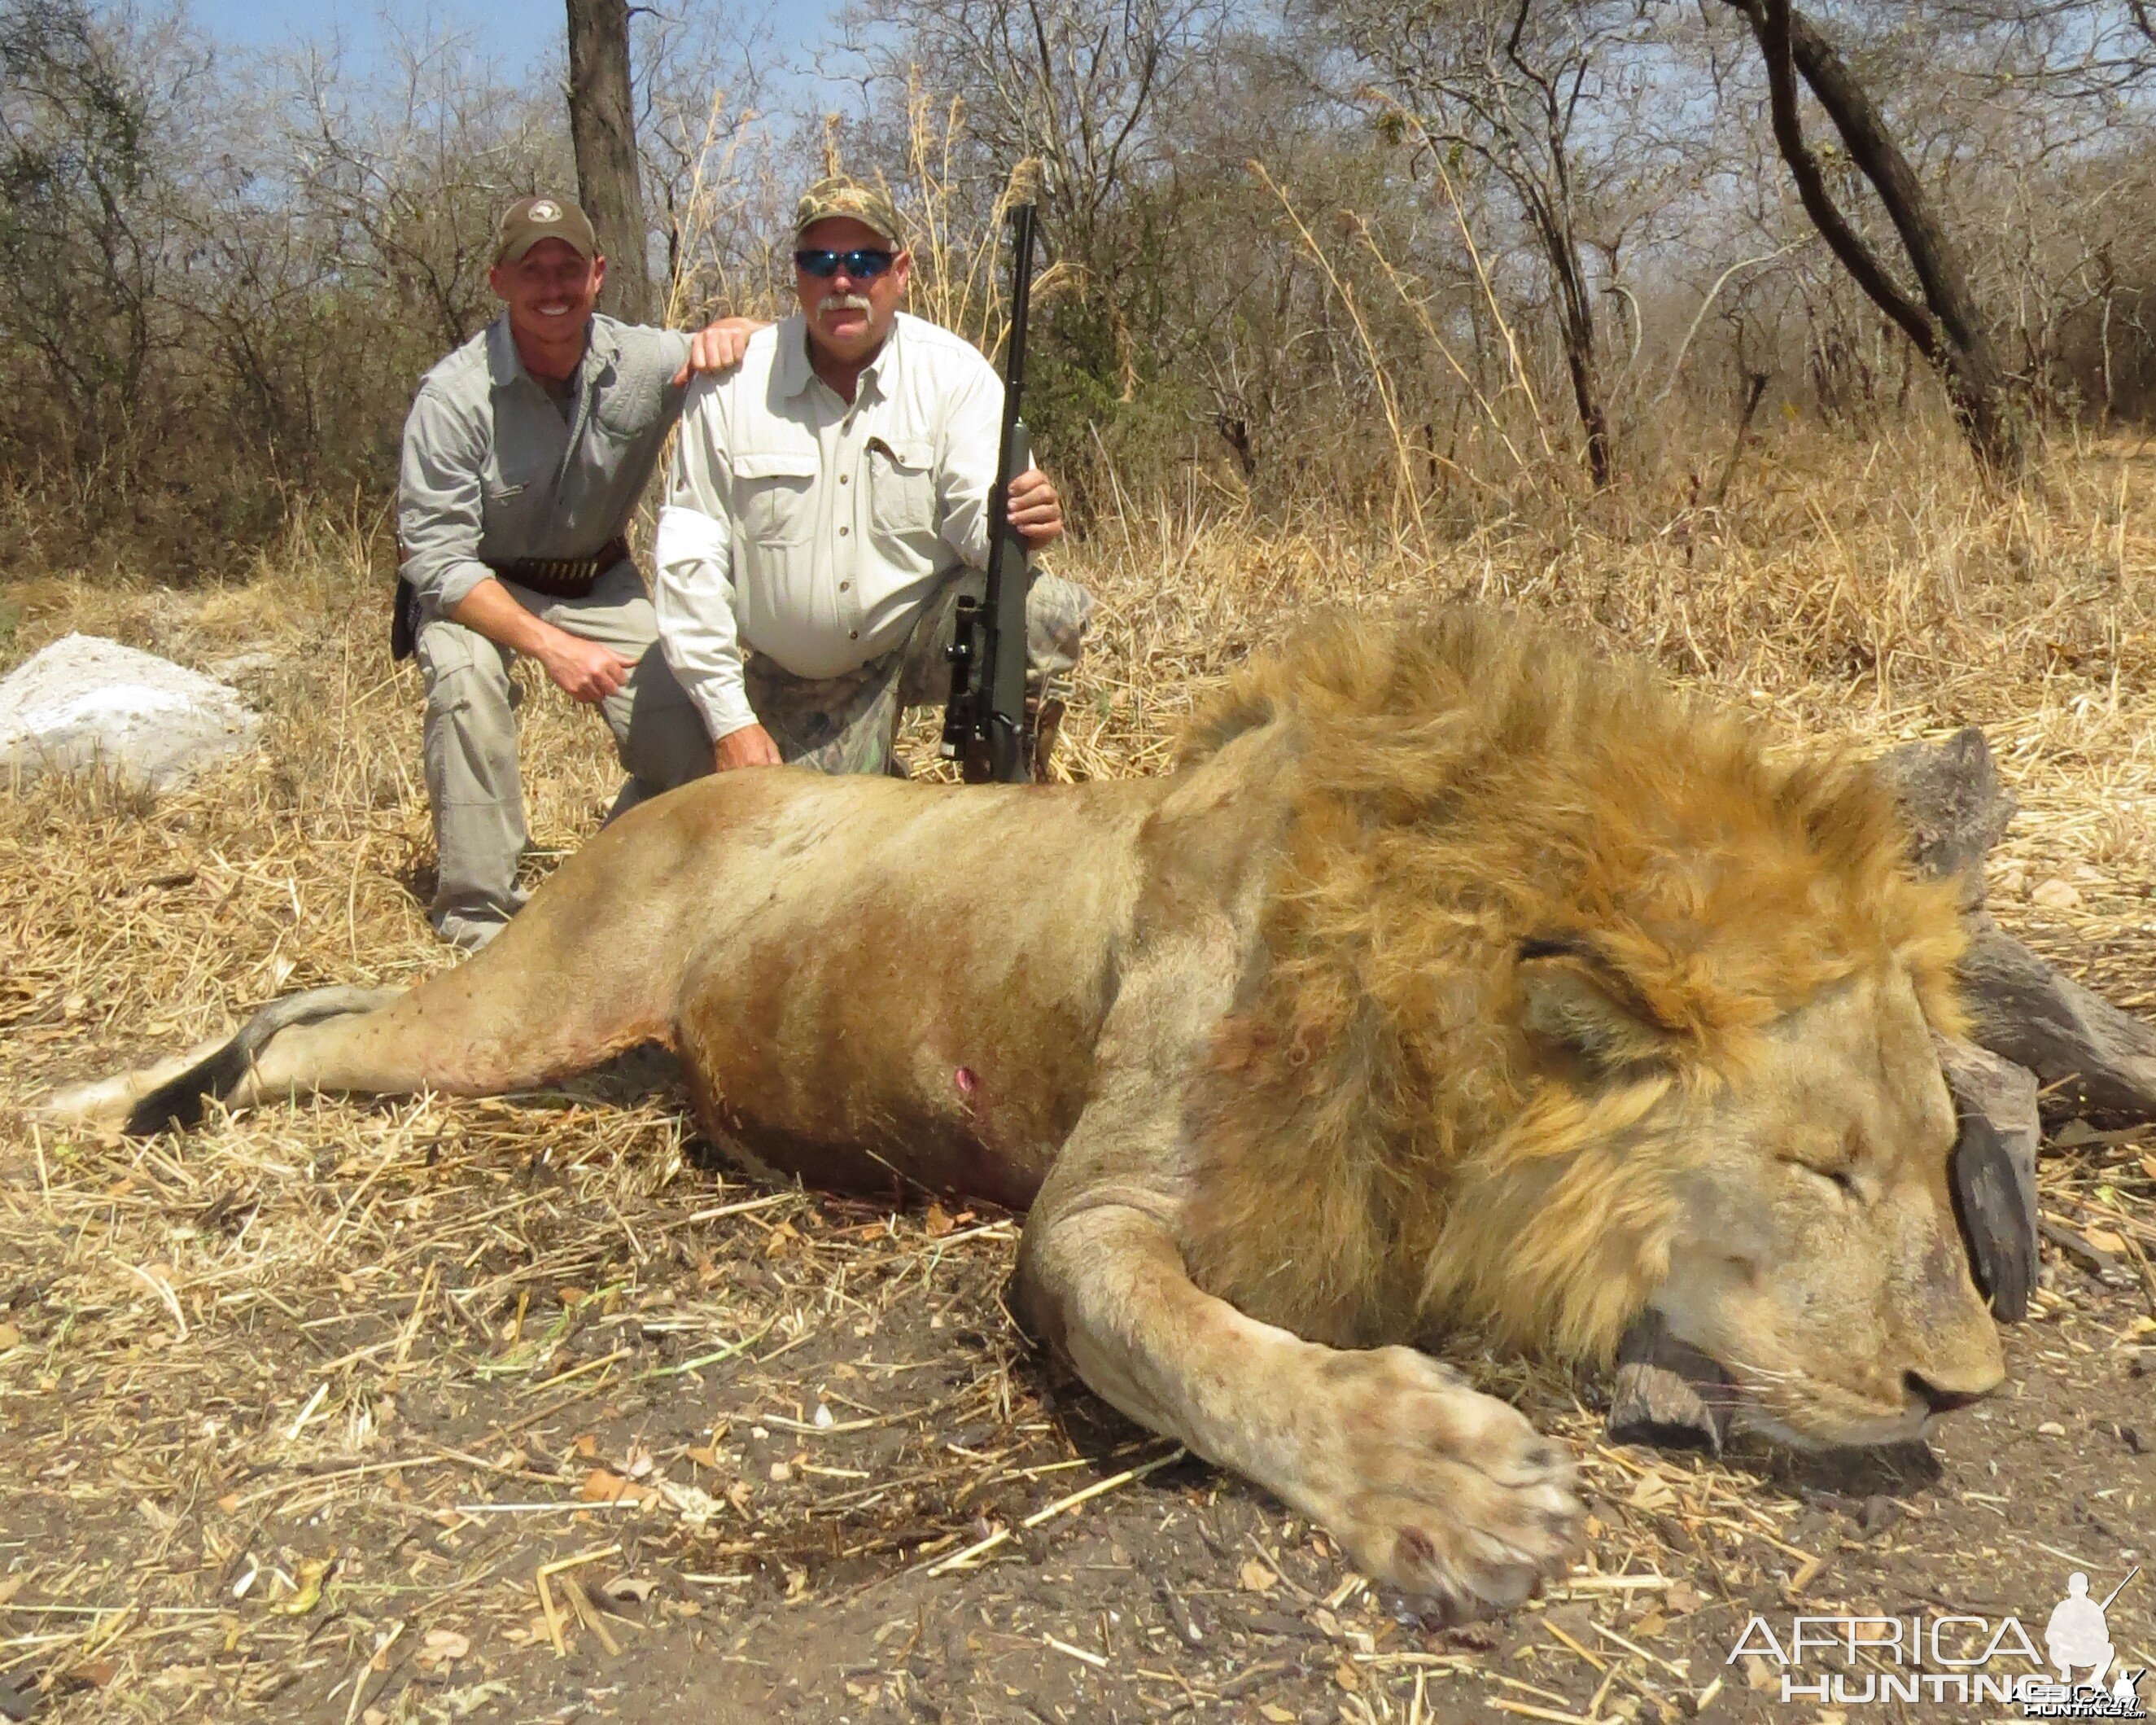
{"type": "Point", "coordinates": [846, 302]}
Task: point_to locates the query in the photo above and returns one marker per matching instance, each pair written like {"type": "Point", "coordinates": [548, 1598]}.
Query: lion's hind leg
{"type": "Point", "coordinates": [177, 1103]}
{"type": "Point", "coordinates": [590, 967]}
{"type": "Point", "coordinates": [174, 1092]}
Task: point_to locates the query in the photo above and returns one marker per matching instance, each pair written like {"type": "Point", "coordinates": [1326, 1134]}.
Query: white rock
{"type": "Point", "coordinates": [85, 700]}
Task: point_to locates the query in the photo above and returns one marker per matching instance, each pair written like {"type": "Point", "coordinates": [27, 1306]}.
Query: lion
{"type": "Point", "coordinates": [1455, 980]}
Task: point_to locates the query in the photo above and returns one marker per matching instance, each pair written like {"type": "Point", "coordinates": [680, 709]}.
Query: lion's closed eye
{"type": "Point", "coordinates": [1839, 1175]}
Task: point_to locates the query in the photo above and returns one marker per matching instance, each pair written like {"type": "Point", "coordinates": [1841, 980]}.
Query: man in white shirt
{"type": "Point", "coordinates": [827, 507]}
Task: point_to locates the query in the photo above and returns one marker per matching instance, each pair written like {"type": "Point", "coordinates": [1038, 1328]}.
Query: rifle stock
{"type": "Point", "coordinates": [984, 724]}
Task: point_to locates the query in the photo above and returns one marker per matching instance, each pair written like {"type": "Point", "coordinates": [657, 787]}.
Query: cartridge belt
{"type": "Point", "coordinates": [562, 578]}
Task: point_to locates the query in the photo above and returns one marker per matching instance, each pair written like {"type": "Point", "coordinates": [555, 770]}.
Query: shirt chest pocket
{"type": "Point", "coordinates": [517, 479]}
{"type": "Point", "coordinates": [511, 508]}
{"type": "Point", "coordinates": [772, 495]}
{"type": "Point", "coordinates": [902, 485]}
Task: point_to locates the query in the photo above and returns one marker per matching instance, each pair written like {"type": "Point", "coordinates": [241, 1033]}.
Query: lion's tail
{"type": "Point", "coordinates": [591, 966]}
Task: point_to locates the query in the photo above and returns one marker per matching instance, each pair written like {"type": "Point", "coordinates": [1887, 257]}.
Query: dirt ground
{"type": "Point", "coordinates": [535, 1409]}
{"type": "Point", "coordinates": [871, 1412]}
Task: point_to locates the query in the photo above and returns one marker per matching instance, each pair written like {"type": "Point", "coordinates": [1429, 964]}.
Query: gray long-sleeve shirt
{"type": "Point", "coordinates": [492, 472]}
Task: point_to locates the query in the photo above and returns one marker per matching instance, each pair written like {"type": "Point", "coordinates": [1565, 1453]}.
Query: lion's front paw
{"type": "Point", "coordinates": [1437, 1488]}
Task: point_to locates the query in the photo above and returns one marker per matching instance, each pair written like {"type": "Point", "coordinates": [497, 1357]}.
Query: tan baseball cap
{"type": "Point", "coordinates": [529, 220]}
{"type": "Point", "coordinates": [843, 195]}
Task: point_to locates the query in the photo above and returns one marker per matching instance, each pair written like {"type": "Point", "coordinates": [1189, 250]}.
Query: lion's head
{"type": "Point", "coordinates": [1805, 1224]}
{"type": "Point", "coordinates": [1577, 1003]}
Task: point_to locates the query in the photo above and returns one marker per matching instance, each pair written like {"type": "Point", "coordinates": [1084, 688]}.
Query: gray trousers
{"type": "Point", "coordinates": [470, 743]}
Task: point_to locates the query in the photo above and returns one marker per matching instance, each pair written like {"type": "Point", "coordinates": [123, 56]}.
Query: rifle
{"type": "Point", "coordinates": [984, 724]}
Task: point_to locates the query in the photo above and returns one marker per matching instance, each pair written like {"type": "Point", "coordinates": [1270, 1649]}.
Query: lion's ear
{"type": "Point", "coordinates": [1573, 997]}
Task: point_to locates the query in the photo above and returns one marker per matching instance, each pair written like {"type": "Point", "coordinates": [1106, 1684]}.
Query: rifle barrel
{"type": "Point", "coordinates": [984, 723]}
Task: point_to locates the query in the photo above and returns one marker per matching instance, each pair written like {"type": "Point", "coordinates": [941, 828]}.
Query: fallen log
{"type": "Point", "coordinates": [1954, 805]}
{"type": "Point", "coordinates": [2089, 1057]}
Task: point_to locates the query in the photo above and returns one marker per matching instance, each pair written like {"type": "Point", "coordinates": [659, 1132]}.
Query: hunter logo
{"type": "Point", "coordinates": [1856, 1661]}
{"type": "Point", "coordinates": [545, 210]}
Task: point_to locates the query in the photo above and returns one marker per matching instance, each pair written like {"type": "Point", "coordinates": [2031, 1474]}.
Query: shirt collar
{"type": "Point", "coordinates": [886, 360]}
{"type": "Point", "coordinates": [602, 347]}
{"type": "Point", "coordinates": [793, 359]}
{"type": "Point", "coordinates": [795, 374]}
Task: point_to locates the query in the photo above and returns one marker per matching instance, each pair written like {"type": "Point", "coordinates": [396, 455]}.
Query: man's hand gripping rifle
{"type": "Point", "coordinates": [984, 725]}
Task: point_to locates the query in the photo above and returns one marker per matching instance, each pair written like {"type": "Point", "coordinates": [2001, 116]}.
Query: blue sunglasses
{"type": "Point", "coordinates": [865, 266]}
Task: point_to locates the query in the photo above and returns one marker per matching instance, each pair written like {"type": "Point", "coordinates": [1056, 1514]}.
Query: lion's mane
{"type": "Point", "coordinates": [1383, 1149]}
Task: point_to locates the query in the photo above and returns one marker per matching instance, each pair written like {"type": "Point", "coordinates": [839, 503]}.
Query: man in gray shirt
{"type": "Point", "coordinates": [524, 457]}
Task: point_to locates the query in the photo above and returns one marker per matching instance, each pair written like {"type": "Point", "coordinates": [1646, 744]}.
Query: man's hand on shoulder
{"type": "Point", "coordinates": [583, 669]}
{"type": "Point", "coordinates": [749, 746]}
{"type": "Point", "coordinates": [1034, 510]}
{"type": "Point", "coordinates": [719, 346]}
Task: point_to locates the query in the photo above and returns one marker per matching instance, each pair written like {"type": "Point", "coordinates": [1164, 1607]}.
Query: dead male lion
{"type": "Point", "coordinates": [1454, 977]}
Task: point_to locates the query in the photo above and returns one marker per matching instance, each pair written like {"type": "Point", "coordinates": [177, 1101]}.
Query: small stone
{"type": "Point", "coordinates": [1879, 1513]}
{"type": "Point", "coordinates": [2050, 1428]}
{"type": "Point", "coordinates": [443, 1647]}
{"type": "Point", "coordinates": [2056, 894]}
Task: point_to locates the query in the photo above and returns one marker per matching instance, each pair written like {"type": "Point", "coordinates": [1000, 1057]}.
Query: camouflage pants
{"type": "Point", "coordinates": [849, 724]}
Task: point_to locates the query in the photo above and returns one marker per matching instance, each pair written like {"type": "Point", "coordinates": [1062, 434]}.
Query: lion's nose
{"type": "Point", "coordinates": [1940, 1400]}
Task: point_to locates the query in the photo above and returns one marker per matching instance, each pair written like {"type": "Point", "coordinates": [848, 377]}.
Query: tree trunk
{"type": "Point", "coordinates": [603, 127]}
{"type": "Point", "coordinates": [1579, 361]}
{"type": "Point", "coordinates": [1947, 328]}
{"type": "Point", "coordinates": [1576, 322]}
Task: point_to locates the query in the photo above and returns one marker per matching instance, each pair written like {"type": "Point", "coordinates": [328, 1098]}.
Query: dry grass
{"type": "Point", "coordinates": [343, 1335]}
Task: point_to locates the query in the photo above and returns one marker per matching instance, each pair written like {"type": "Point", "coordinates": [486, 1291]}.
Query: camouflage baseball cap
{"type": "Point", "coordinates": [843, 195]}
{"type": "Point", "coordinates": [529, 220]}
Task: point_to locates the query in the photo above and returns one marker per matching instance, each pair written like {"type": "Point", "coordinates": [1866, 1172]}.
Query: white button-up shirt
{"type": "Point", "coordinates": [813, 530]}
